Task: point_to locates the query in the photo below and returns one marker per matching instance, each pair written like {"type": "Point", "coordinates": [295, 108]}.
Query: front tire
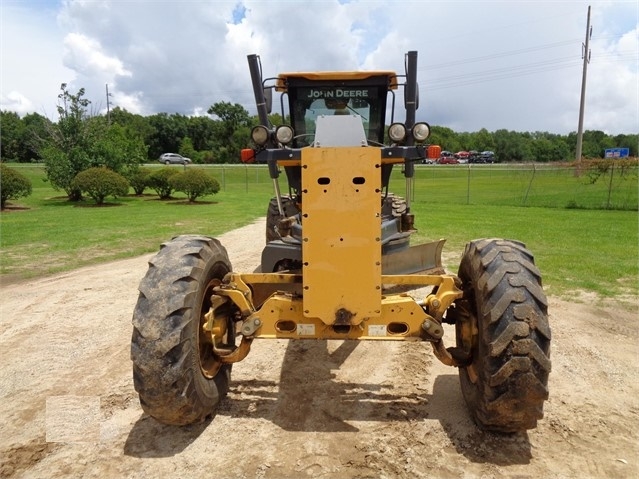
{"type": "Point", "coordinates": [177, 377]}
{"type": "Point", "coordinates": [502, 324]}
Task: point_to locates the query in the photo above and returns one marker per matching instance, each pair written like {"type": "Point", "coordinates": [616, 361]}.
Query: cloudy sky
{"type": "Point", "coordinates": [501, 64]}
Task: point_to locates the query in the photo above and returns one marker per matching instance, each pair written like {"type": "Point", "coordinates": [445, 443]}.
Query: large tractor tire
{"type": "Point", "coordinates": [273, 215]}
{"type": "Point", "coordinates": [502, 324]}
{"type": "Point", "coordinates": [177, 376]}
{"type": "Point", "coordinates": [393, 206]}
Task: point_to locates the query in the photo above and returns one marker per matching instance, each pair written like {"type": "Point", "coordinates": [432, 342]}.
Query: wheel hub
{"type": "Point", "coordinates": [213, 330]}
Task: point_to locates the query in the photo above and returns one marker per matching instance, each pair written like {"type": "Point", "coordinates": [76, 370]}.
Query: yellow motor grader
{"type": "Point", "coordinates": [338, 245]}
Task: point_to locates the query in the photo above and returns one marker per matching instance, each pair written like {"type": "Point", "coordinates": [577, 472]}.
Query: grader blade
{"type": "Point", "coordinates": [423, 258]}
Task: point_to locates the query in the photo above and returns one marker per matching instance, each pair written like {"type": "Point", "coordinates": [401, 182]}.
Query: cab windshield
{"type": "Point", "coordinates": [309, 102]}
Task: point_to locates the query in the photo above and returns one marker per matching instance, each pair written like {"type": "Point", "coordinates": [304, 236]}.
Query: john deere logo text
{"type": "Point", "coordinates": [337, 94]}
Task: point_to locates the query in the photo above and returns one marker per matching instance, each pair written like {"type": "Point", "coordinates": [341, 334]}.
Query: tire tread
{"type": "Point", "coordinates": [162, 351]}
{"type": "Point", "coordinates": [513, 360]}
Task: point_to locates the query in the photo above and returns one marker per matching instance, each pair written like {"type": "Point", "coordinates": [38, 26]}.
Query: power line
{"type": "Point", "coordinates": [512, 68]}
{"type": "Point", "coordinates": [498, 55]}
{"type": "Point", "coordinates": [482, 76]}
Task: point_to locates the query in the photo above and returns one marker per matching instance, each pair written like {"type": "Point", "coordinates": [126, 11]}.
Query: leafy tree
{"type": "Point", "coordinates": [13, 185]}
{"type": "Point", "coordinates": [67, 151]}
{"type": "Point", "coordinates": [21, 138]}
{"type": "Point", "coordinates": [542, 150]}
{"type": "Point", "coordinates": [159, 181]}
{"type": "Point", "coordinates": [483, 140]}
{"type": "Point", "coordinates": [80, 141]}
{"type": "Point", "coordinates": [135, 126]}
{"type": "Point", "coordinates": [116, 150]}
{"type": "Point", "coordinates": [194, 183]}
{"type": "Point", "coordinates": [36, 132]}
{"type": "Point", "coordinates": [466, 141]}
{"type": "Point", "coordinates": [100, 182]}
{"type": "Point", "coordinates": [627, 141]}
{"type": "Point", "coordinates": [444, 137]}
{"type": "Point", "coordinates": [139, 180]}
{"type": "Point", "coordinates": [223, 155]}
{"type": "Point", "coordinates": [186, 149]}
{"type": "Point", "coordinates": [201, 131]}
{"type": "Point", "coordinates": [595, 142]}
{"type": "Point", "coordinates": [61, 167]}
{"type": "Point", "coordinates": [232, 116]}
{"type": "Point", "coordinates": [12, 132]}
{"type": "Point", "coordinates": [207, 157]}
{"type": "Point", "coordinates": [546, 147]}
{"type": "Point", "coordinates": [168, 131]}
{"type": "Point", "coordinates": [511, 146]}
{"type": "Point", "coordinates": [231, 132]}
{"type": "Point", "coordinates": [274, 118]}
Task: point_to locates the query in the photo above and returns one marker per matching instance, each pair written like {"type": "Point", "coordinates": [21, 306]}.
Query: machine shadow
{"type": "Point", "coordinates": [447, 405]}
{"type": "Point", "coordinates": [308, 398]}
{"type": "Point", "coordinates": [150, 439]}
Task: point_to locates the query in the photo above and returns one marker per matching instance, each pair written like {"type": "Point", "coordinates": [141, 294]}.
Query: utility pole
{"type": "Point", "coordinates": [108, 105]}
{"type": "Point", "coordinates": [586, 56]}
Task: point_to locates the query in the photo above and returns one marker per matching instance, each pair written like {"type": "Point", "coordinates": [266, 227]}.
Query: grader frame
{"type": "Point", "coordinates": [331, 269]}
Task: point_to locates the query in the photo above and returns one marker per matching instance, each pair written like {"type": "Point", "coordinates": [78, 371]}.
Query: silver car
{"type": "Point", "coordinates": [169, 158]}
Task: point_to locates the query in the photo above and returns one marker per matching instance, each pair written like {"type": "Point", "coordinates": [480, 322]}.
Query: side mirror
{"type": "Point", "coordinates": [268, 99]}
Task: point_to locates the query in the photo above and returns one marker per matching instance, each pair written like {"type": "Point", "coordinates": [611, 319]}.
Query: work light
{"type": "Point", "coordinates": [397, 132]}
{"type": "Point", "coordinates": [259, 135]}
{"type": "Point", "coordinates": [421, 131]}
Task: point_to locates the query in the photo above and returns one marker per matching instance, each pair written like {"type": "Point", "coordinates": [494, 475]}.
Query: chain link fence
{"type": "Point", "coordinates": [536, 185]}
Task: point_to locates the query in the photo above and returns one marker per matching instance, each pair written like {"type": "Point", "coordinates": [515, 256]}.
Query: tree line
{"type": "Point", "coordinates": [219, 137]}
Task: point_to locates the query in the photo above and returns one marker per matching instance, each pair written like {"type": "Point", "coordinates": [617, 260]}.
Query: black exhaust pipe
{"type": "Point", "coordinates": [255, 67]}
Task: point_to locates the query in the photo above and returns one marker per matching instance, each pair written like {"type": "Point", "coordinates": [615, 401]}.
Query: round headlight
{"type": "Point", "coordinates": [284, 134]}
{"type": "Point", "coordinates": [397, 132]}
{"type": "Point", "coordinates": [259, 135]}
{"type": "Point", "coordinates": [421, 131]}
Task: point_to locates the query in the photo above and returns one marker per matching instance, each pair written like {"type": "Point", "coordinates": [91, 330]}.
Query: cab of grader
{"type": "Point", "coordinates": [338, 245]}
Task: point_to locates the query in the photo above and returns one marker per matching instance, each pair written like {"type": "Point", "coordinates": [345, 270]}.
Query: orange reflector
{"type": "Point", "coordinates": [434, 152]}
{"type": "Point", "coordinates": [247, 155]}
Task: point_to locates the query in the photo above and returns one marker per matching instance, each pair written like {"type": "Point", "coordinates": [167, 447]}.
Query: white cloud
{"type": "Point", "coordinates": [612, 86]}
{"type": "Point", "coordinates": [513, 65]}
{"type": "Point", "coordinates": [30, 58]}
{"type": "Point", "coordinates": [85, 56]}
{"type": "Point", "coordinates": [16, 101]}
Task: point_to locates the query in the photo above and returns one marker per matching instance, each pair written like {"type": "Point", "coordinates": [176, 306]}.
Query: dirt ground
{"type": "Point", "coordinates": [297, 409]}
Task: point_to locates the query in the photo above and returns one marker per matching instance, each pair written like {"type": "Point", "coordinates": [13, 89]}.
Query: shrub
{"type": "Point", "coordinates": [100, 182]}
{"type": "Point", "coordinates": [159, 181]}
{"type": "Point", "coordinates": [139, 180]}
{"type": "Point", "coordinates": [13, 185]}
{"type": "Point", "coordinates": [194, 183]}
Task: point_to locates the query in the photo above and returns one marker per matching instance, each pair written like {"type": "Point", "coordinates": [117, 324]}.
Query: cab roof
{"type": "Point", "coordinates": [282, 78]}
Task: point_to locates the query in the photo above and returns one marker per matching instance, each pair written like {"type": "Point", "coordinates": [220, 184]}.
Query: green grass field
{"type": "Point", "coordinates": [576, 248]}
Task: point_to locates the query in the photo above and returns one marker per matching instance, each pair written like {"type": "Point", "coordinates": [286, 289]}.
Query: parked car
{"type": "Point", "coordinates": [447, 160]}
{"type": "Point", "coordinates": [174, 158]}
{"type": "Point", "coordinates": [472, 156]}
{"type": "Point", "coordinates": [475, 157]}
{"type": "Point", "coordinates": [462, 156]}
{"type": "Point", "coordinates": [487, 156]}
